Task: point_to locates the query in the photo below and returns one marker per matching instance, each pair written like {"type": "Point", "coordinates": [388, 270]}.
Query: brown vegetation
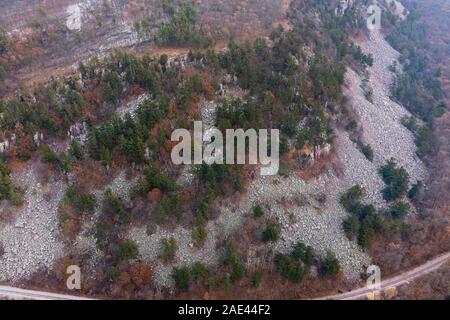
{"type": "Point", "coordinates": [435, 286]}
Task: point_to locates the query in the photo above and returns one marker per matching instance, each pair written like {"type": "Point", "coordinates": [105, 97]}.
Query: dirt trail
{"type": "Point", "coordinates": [360, 293]}
{"type": "Point", "coordinates": [404, 278]}
{"type": "Point", "coordinates": [23, 294]}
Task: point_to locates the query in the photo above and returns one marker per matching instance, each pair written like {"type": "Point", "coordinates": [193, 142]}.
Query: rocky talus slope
{"type": "Point", "coordinates": [31, 242]}
{"type": "Point", "coordinates": [316, 224]}
{"type": "Point", "coordinates": [308, 211]}
{"type": "Point", "coordinates": [381, 118]}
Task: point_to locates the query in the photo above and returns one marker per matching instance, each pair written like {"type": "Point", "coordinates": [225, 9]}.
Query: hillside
{"type": "Point", "coordinates": [52, 37]}
{"type": "Point", "coordinates": [92, 93]}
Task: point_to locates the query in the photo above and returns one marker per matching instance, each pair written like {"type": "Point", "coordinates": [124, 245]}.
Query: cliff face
{"type": "Point", "coordinates": [48, 37]}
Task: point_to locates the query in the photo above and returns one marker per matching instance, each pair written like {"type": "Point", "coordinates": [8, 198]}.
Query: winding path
{"type": "Point", "coordinates": [403, 278]}
{"type": "Point", "coordinates": [360, 293]}
{"type": "Point", "coordinates": [23, 294]}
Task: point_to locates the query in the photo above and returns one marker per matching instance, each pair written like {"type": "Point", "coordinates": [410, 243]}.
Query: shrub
{"type": "Point", "coordinates": [199, 271]}
{"type": "Point", "coordinates": [64, 163]}
{"type": "Point", "coordinates": [3, 41]}
{"type": "Point", "coordinates": [112, 204]}
{"type": "Point", "coordinates": [141, 275]}
{"type": "Point", "coordinates": [103, 234]}
{"type": "Point", "coordinates": [181, 28]}
{"type": "Point", "coordinates": [238, 271]}
{"type": "Point", "coordinates": [424, 137]}
{"type": "Point", "coordinates": [364, 221]}
{"type": "Point", "coordinates": [256, 279]}
{"type": "Point", "coordinates": [258, 211]}
{"type": "Point", "coordinates": [169, 248]}
{"type": "Point", "coordinates": [330, 265]}
{"type": "Point", "coordinates": [272, 232]}
{"type": "Point", "coordinates": [425, 141]}
{"type": "Point", "coordinates": [351, 126]}
{"type": "Point", "coordinates": [415, 189]}
{"type": "Point", "coordinates": [112, 85]}
{"type": "Point", "coordinates": [410, 123]}
{"type": "Point", "coordinates": [128, 249]}
{"type": "Point", "coordinates": [368, 152]}
{"type": "Point", "coordinates": [83, 202]}
{"type": "Point", "coordinates": [199, 234]}
{"type": "Point", "coordinates": [303, 253]}
{"type": "Point", "coordinates": [48, 155]}
{"type": "Point", "coordinates": [15, 199]}
{"type": "Point", "coordinates": [204, 206]}
{"type": "Point", "coordinates": [399, 210]}
{"type": "Point", "coordinates": [182, 278]}
{"type": "Point", "coordinates": [76, 150]}
{"type": "Point", "coordinates": [213, 174]}
{"type": "Point", "coordinates": [230, 253]}
{"type": "Point", "coordinates": [214, 282]}
{"type": "Point", "coordinates": [366, 233]}
{"type": "Point", "coordinates": [155, 179]}
{"type": "Point", "coordinates": [169, 206]}
{"type": "Point", "coordinates": [396, 179]}
{"type": "Point", "coordinates": [220, 281]}
{"type": "Point", "coordinates": [168, 7]}
{"type": "Point", "coordinates": [290, 269]}
{"type": "Point", "coordinates": [2, 73]}
{"type": "Point", "coordinates": [351, 199]}
{"type": "Point", "coordinates": [7, 189]}
{"type": "Point", "coordinates": [351, 227]}
{"type": "Point", "coordinates": [237, 181]}
{"type": "Point", "coordinates": [232, 259]}
{"type": "Point", "coordinates": [371, 223]}
{"type": "Point", "coordinates": [321, 198]}
{"type": "Point", "coordinates": [296, 266]}
{"type": "Point", "coordinates": [284, 144]}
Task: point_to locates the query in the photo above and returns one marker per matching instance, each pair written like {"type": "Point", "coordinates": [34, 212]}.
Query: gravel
{"type": "Point", "coordinates": [132, 106]}
{"type": "Point", "coordinates": [85, 242]}
{"type": "Point", "coordinates": [208, 110]}
{"type": "Point", "coordinates": [381, 120]}
{"type": "Point", "coordinates": [231, 219]}
{"type": "Point", "coordinates": [317, 226]}
{"type": "Point", "coordinates": [32, 241]}
{"type": "Point", "coordinates": [186, 176]}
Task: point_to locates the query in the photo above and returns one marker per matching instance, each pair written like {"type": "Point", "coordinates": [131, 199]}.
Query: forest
{"type": "Point", "coordinates": [417, 85]}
